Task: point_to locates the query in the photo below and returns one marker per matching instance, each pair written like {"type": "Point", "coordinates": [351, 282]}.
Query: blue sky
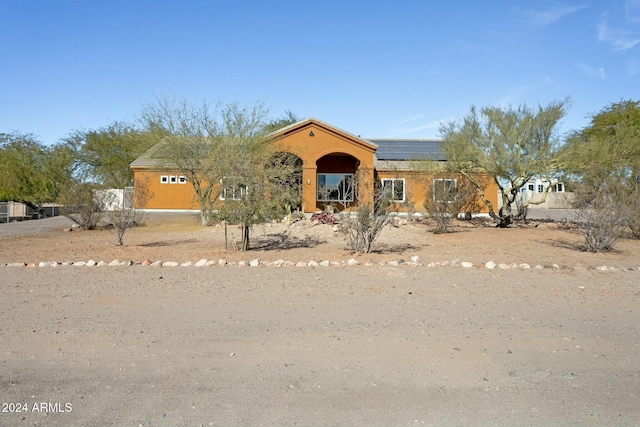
{"type": "Point", "coordinates": [373, 68]}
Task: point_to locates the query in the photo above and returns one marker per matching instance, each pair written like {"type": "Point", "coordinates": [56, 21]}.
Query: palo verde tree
{"type": "Point", "coordinates": [259, 183]}
{"type": "Point", "coordinates": [226, 156]}
{"type": "Point", "coordinates": [510, 146]}
{"type": "Point", "coordinates": [191, 143]}
{"type": "Point", "coordinates": [604, 158]}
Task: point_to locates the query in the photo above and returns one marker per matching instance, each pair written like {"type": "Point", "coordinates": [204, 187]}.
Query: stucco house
{"type": "Point", "coordinates": [329, 159]}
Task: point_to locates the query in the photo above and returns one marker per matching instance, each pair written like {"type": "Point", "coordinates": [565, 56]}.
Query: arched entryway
{"type": "Point", "coordinates": [336, 180]}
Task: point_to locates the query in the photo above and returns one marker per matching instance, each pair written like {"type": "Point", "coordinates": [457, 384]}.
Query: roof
{"type": "Point", "coordinates": [409, 149]}
{"type": "Point", "coordinates": [312, 120]}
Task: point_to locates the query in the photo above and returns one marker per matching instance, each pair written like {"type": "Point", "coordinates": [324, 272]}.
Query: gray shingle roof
{"type": "Point", "coordinates": [408, 149]}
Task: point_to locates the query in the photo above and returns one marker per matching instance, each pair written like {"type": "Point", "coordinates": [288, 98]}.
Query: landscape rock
{"type": "Point", "coordinates": [201, 263]}
{"type": "Point", "coordinates": [466, 264]}
{"type": "Point", "coordinates": [490, 265]}
{"type": "Point", "coordinates": [254, 263]}
{"type": "Point", "coordinates": [170, 264]}
{"type": "Point", "coordinates": [114, 263]}
{"type": "Point", "coordinates": [324, 263]}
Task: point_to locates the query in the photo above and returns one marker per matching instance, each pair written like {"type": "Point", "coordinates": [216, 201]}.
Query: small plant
{"type": "Point", "coordinates": [446, 199]}
{"type": "Point", "coordinates": [79, 205]}
{"type": "Point", "coordinates": [600, 217]}
{"type": "Point", "coordinates": [363, 227]}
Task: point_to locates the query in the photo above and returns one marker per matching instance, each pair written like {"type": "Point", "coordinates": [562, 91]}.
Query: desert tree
{"type": "Point", "coordinates": [605, 157]}
{"type": "Point", "coordinates": [31, 172]}
{"type": "Point", "coordinates": [79, 204]}
{"type": "Point", "coordinates": [448, 196]}
{"type": "Point", "coordinates": [258, 183]}
{"type": "Point", "coordinates": [123, 213]}
{"type": "Point", "coordinates": [510, 146]}
{"type": "Point", "coordinates": [191, 143]}
{"type": "Point", "coordinates": [365, 215]}
{"type": "Point", "coordinates": [102, 156]}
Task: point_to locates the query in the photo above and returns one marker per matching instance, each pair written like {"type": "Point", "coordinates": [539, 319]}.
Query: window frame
{"type": "Point", "coordinates": [393, 192]}
{"type": "Point", "coordinates": [351, 191]}
{"type": "Point", "coordinates": [244, 191]}
{"type": "Point", "coordinates": [164, 179]}
{"type": "Point", "coordinates": [433, 188]}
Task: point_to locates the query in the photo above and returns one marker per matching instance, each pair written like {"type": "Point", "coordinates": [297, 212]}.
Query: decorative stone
{"type": "Point", "coordinates": [242, 263]}
{"type": "Point", "coordinates": [312, 264]}
{"type": "Point", "coordinates": [602, 268]}
{"type": "Point", "coordinates": [31, 264]}
{"type": "Point", "coordinates": [490, 265]}
{"type": "Point", "coordinates": [114, 263]}
{"type": "Point", "coordinates": [222, 262]}
{"type": "Point", "coordinates": [415, 259]}
{"type": "Point", "coordinates": [156, 263]}
{"type": "Point", "coordinates": [170, 264]}
{"type": "Point", "coordinates": [254, 263]}
{"type": "Point", "coordinates": [277, 263]}
{"type": "Point", "coordinates": [504, 266]}
{"type": "Point", "coordinates": [324, 263]}
{"type": "Point", "coordinates": [524, 266]}
{"type": "Point", "coordinates": [201, 263]}
{"type": "Point", "coordinates": [301, 264]}
{"type": "Point", "coordinates": [146, 262]}
{"type": "Point", "coordinates": [79, 264]}
{"type": "Point", "coordinates": [352, 261]}
{"type": "Point", "coordinates": [91, 263]}
{"type": "Point", "coordinates": [466, 264]}
{"type": "Point", "coordinates": [44, 264]}
{"type": "Point", "coordinates": [101, 264]}
{"type": "Point", "coordinates": [393, 263]}
{"type": "Point", "coordinates": [211, 263]}
{"type": "Point", "coordinates": [289, 264]}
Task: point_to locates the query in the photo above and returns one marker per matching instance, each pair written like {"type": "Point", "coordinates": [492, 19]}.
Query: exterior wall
{"type": "Point", "coordinates": [311, 143]}
{"type": "Point", "coordinates": [165, 196]}
{"type": "Point", "coordinates": [322, 149]}
{"type": "Point", "coordinates": [417, 186]}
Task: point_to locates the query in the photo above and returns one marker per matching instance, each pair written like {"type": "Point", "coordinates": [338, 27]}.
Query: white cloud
{"type": "Point", "coordinates": [410, 119]}
{"type": "Point", "coordinates": [592, 71]}
{"type": "Point", "coordinates": [620, 39]}
{"type": "Point", "coordinates": [550, 16]}
{"type": "Point", "coordinates": [435, 125]}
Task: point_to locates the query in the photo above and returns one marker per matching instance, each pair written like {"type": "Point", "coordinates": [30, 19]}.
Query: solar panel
{"type": "Point", "coordinates": [408, 149]}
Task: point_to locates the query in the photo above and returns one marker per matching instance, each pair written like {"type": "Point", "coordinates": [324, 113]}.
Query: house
{"type": "Point", "coordinates": [329, 159]}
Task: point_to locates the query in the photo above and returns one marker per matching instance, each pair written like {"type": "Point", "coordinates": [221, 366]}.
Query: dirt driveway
{"type": "Point", "coordinates": [362, 346]}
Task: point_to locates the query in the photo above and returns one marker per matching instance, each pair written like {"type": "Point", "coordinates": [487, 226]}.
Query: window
{"type": "Point", "coordinates": [164, 179]}
{"type": "Point", "coordinates": [393, 188]}
{"type": "Point", "coordinates": [531, 187]}
{"type": "Point", "coordinates": [335, 187]}
{"type": "Point", "coordinates": [559, 187]}
{"type": "Point", "coordinates": [444, 190]}
{"type": "Point", "coordinates": [540, 188]}
{"type": "Point", "coordinates": [182, 179]}
{"type": "Point", "coordinates": [230, 190]}
{"type": "Point", "coordinates": [173, 179]}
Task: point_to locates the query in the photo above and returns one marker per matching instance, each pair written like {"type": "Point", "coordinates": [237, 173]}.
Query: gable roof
{"type": "Point", "coordinates": [327, 127]}
{"type": "Point", "coordinates": [409, 149]}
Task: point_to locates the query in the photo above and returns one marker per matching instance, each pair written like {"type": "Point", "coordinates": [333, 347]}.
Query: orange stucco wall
{"type": "Point", "coordinates": [314, 141]}
{"type": "Point", "coordinates": [165, 196]}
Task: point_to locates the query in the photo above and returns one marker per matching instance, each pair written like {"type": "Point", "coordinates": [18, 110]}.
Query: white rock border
{"type": "Point", "coordinates": [352, 262]}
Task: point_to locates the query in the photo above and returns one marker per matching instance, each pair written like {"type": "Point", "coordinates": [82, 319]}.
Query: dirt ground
{"type": "Point", "coordinates": [353, 345]}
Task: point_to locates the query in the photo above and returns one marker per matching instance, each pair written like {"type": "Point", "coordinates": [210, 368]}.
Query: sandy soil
{"type": "Point", "coordinates": [378, 345]}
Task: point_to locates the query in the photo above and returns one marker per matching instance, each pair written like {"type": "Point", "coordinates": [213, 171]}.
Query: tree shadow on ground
{"type": "Point", "coordinates": [283, 241]}
{"type": "Point", "coordinates": [168, 243]}
{"type": "Point", "coordinates": [395, 249]}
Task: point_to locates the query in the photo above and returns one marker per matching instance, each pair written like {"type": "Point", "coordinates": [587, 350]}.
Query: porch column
{"type": "Point", "coordinates": [366, 186]}
{"type": "Point", "coordinates": [309, 183]}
